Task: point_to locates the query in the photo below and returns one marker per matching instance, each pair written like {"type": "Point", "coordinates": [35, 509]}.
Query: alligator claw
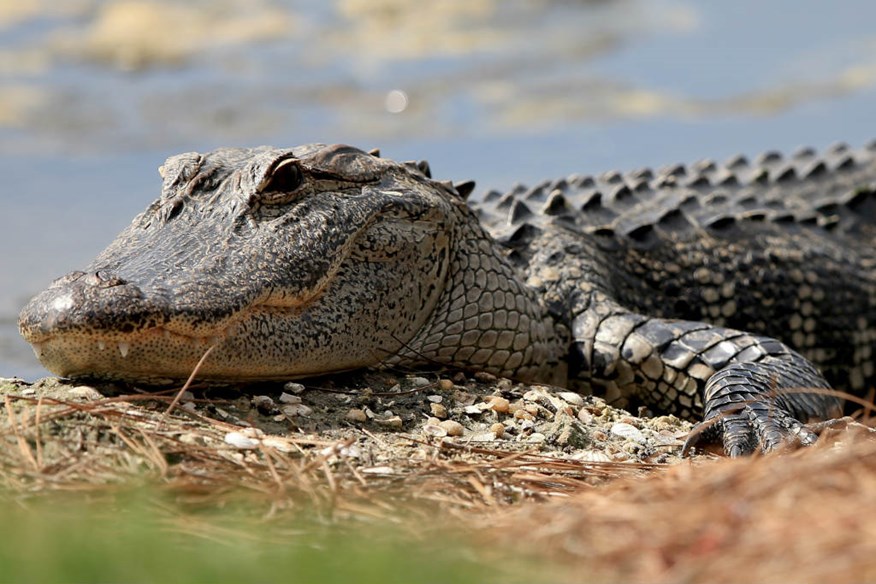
{"type": "Point", "coordinates": [759, 426]}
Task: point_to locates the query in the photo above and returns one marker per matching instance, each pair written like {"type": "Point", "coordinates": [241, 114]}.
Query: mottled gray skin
{"type": "Point", "coordinates": [682, 290]}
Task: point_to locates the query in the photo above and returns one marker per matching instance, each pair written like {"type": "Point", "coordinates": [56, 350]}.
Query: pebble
{"type": "Point", "coordinates": [522, 414]}
{"type": "Point", "coordinates": [499, 404]}
{"type": "Point", "coordinates": [294, 387]}
{"type": "Point", "coordinates": [485, 377]}
{"type": "Point", "coordinates": [392, 422]}
{"type": "Point", "coordinates": [189, 407]}
{"type": "Point", "coordinates": [476, 409]}
{"type": "Point", "coordinates": [576, 399]}
{"type": "Point", "coordinates": [84, 392]}
{"type": "Point", "coordinates": [263, 403]}
{"type": "Point", "coordinates": [435, 399]}
{"type": "Point", "coordinates": [585, 416]}
{"type": "Point", "coordinates": [536, 437]}
{"type": "Point", "coordinates": [532, 396]}
{"type": "Point", "coordinates": [498, 430]}
{"type": "Point", "coordinates": [28, 392]}
{"type": "Point", "coordinates": [418, 381]}
{"type": "Point", "coordinates": [452, 427]}
{"type": "Point", "coordinates": [438, 410]}
{"type": "Point", "coordinates": [288, 398]}
{"type": "Point", "coordinates": [294, 410]}
{"type": "Point", "coordinates": [434, 430]}
{"type": "Point", "coordinates": [239, 440]}
{"type": "Point", "coordinates": [628, 432]}
{"type": "Point", "coordinates": [445, 385]}
{"type": "Point", "coordinates": [356, 415]}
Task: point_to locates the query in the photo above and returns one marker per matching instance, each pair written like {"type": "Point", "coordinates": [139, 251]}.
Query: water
{"type": "Point", "coordinates": [94, 95]}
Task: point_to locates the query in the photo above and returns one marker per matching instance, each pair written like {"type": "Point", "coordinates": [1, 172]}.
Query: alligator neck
{"type": "Point", "coordinates": [489, 318]}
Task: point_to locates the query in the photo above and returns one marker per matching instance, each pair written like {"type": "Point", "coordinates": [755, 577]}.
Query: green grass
{"type": "Point", "coordinates": [64, 538]}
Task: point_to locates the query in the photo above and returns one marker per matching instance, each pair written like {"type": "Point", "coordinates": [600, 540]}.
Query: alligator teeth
{"type": "Point", "coordinates": [101, 345]}
{"type": "Point", "coordinates": [123, 349]}
{"type": "Point", "coordinates": [37, 349]}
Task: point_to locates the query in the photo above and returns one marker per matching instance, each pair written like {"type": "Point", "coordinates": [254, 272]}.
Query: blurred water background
{"type": "Point", "coordinates": [95, 94]}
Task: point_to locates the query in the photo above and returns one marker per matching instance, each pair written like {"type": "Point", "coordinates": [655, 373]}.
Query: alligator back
{"type": "Point", "coordinates": [776, 246]}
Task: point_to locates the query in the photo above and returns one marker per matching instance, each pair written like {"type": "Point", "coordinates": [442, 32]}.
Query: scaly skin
{"type": "Point", "coordinates": [683, 290]}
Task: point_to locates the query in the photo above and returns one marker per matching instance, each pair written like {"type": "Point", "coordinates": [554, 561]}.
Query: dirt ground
{"type": "Point", "coordinates": [552, 475]}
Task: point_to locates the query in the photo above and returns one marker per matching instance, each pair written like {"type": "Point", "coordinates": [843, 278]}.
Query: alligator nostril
{"type": "Point", "coordinates": [104, 279]}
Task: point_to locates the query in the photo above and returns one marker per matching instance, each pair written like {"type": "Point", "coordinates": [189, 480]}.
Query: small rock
{"type": "Point", "coordinates": [438, 410]}
{"type": "Point", "coordinates": [533, 396]}
{"type": "Point", "coordinates": [294, 410]}
{"type": "Point", "coordinates": [28, 392]}
{"type": "Point", "coordinates": [499, 404]}
{"type": "Point", "coordinates": [485, 377]}
{"type": "Point", "coordinates": [189, 407]}
{"type": "Point", "coordinates": [585, 416]}
{"type": "Point", "coordinates": [536, 437]}
{"type": "Point", "coordinates": [418, 381]}
{"type": "Point", "coordinates": [522, 414]}
{"type": "Point", "coordinates": [279, 417]}
{"type": "Point", "coordinates": [84, 392]}
{"type": "Point", "coordinates": [526, 425]}
{"type": "Point", "coordinates": [392, 422]}
{"type": "Point", "coordinates": [498, 430]}
{"type": "Point", "coordinates": [504, 383]}
{"type": "Point", "coordinates": [238, 440]}
{"type": "Point", "coordinates": [477, 409]}
{"type": "Point", "coordinates": [452, 427]}
{"type": "Point", "coordinates": [628, 432]}
{"type": "Point", "coordinates": [576, 399]}
{"type": "Point", "coordinates": [356, 415]}
{"type": "Point", "coordinates": [445, 385]}
{"type": "Point", "coordinates": [288, 398]}
{"type": "Point", "coordinates": [434, 430]}
{"type": "Point", "coordinates": [264, 404]}
{"type": "Point", "coordinates": [293, 387]}
{"type": "Point", "coordinates": [435, 399]}
{"type": "Point", "coordinates": [532, 409]}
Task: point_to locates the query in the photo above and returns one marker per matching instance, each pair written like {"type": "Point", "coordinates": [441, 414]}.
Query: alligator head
{"type": "Point", "coordinates": [289, 262]}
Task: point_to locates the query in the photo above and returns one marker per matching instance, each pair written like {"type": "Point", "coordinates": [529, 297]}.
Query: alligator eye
{"type": "Point", "coordinates": [285, 178]}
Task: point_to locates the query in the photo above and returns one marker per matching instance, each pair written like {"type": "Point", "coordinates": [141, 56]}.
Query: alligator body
{"type": "Point", "coordinates": [716, 290]}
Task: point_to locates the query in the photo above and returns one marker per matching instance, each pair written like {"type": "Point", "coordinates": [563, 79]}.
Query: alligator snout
{"type": "Point", "coordinates": [76, 303]}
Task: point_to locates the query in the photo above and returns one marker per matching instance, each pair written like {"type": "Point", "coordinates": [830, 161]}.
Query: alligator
{"type": "Point", "coordinates": [737, 294]}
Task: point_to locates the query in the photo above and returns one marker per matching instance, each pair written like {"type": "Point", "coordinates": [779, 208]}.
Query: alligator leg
{"type": "Point", "coordinates": [754, 391]}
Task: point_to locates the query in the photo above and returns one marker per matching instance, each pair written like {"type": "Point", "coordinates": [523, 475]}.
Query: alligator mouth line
{"type": "Point", "coordinates": [105, 339]}
{"type": "Point", "coordinates": [124, 346]}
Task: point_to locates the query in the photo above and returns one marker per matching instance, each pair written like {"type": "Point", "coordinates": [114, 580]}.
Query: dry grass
{"type": "Point", "coordinates": [802, 516]}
